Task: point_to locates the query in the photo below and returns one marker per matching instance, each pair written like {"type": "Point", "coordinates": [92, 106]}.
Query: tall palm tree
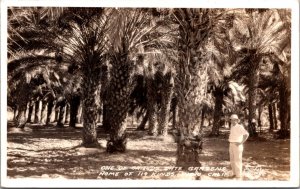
{"type": "Point", "coordinates": [152, 106]}
{"type": "Point", "coordinates": [257, 34]}
{"type": "Point", "coordinates": [268, 88]}
{"type": "Point", "coordinates": [153, 95]}
{"type": "Point", "coordinates": [166, 97]}
{"type": "Point", "coordinates": [284, 63]}
{"type": "Point", "coordinates": [160, 83]}
{"type": "Point", "coordinates": [281, 84]}
{"type": "Point", "coordinates": [195, 28]}
{"type": "Point", "coordinates": [84, 47]}
{"type": "Point", "coordinates": [131, 33]}
{"type": "Point", "coordinates": [221, 61]}
{"type": "Point", "coordinates": [104, 96]}
{"type": "Point", "coordinates": [77, 34]}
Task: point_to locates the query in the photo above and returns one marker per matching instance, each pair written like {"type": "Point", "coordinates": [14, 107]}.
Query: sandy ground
{"type": "Point", "coordinates": [50, 152]}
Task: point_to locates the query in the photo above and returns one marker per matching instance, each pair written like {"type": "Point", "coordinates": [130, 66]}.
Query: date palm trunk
{"type": "Point", "coordinates": [188, 146]}
{"type": "Point", "coordinates": [37, 112]}
{"type": "Point", "coordinates": [49, 110]}
{"type": "Point", "coordinates": [22, 100]}
{"type": "Point", "coordinates": [152, 105]}
{"type": "Point", "coordinates": [105, 120]}
{"type": "Point", "coordinates": [103, 94]}
{"type": "Point", "coordinates": [259, 118]}
{"type": "Point", "coordinates": [174, 111]}
{"type": "Point", "coordinates": [144, 121]}
{"type": "Point", "coordinates": [30, 110]}
{"type": "Point", "coordinates": [189, 86]}
{"type": "Point", "coordinates": [219, 96]}
{"type": "Point", "coordinates": [203, 111]}
{"type": "Point", "coordinates": [120, 89]}
{"type": "Point", "coordinates": [43, 112]}
{"type": "Point", "coordinates": [79, 114]}
{"type": "Point", "coordinates": [56, 113]}
{"type": "Point", "coordinates": [15, 108]}
{"type": "Point", "coordinates": [271, 118]}
{"type": "Point", "coordinates": [67, 116]}
{"type": "Point", "coordinates": [74, 106]}
{"type": "Point", "coordinates": [89, 87]}
{"type": "Point", "coordinates": [251, 101]}
{"type": "Point", "coordinates": [275, 116]}
{"type": "Point", "coordinates": [284, 111]}
{"type": "Point", "coordinates": [62, 107]}
{"type": "Point", "coordinates": [166, 98]}
{"type": "Point", "coordinates": [21, 117]}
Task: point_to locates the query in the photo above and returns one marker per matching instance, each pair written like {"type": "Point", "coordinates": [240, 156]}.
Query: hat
{"type": "Point", "coordinates": [234, 116]}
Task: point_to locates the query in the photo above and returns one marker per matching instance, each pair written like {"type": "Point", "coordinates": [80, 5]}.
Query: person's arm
{"type": "Point", "coordinates": [245, 137]}
{"type": "Point", "coordinates": [245, 134]}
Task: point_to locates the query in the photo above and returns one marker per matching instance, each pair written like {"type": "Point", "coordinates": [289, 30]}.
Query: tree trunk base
{"type": "Point", "coordinates": [153, 134]}
{"type": "Point", "coordinates": [60, 125]}
{"type": "Point", "coordinates": [94, 144]}
{"type": "Point", "coordinates": [117, 145]}
{"type": "Point", "coordinates": [213, 135]}
{"type": "Point", "coordinates": [283, 134]}
{"type": "Point", "coordinates": [188, 153]}
{"type": "Point", "coordinates": [21, 126]}
{"type": "Point", "coordinates": [142, 126]}
{"type": "Point", "coordinates": [20, 123]}
{"type": "Point", "coordinates": [166, 138]}
{"type": "Point", "coordinates": [252, 130]}
{"type": "Point", "coordinates": [141, 129]}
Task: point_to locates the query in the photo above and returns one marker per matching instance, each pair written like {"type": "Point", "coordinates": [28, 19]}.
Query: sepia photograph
{"type": "Point", "coordinates": [116, 96]}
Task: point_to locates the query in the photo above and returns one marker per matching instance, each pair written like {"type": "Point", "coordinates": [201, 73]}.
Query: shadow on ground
{"type": "Point", "coordinates": [51, 152]}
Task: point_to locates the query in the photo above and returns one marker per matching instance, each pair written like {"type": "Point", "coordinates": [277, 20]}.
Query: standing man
{"type": "Point", "coordinates": [238, 135]}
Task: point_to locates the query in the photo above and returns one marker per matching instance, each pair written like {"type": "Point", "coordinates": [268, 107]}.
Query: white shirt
{"type": "Point", "coordinates": [236, 133]}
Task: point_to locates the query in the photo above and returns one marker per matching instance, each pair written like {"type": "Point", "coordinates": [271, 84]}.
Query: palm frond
{"type": "Point", "coordinates": [13, 64]}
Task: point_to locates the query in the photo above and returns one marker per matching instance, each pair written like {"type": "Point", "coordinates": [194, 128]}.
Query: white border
{"type": "Point", "coordinates": [3, 92]}
{"type": "Point", "coordinates": [292, 4]}
{"type": "Point", "coordinates": [158, 3]}
{"type": "Point", "coordinates": [295, 96]}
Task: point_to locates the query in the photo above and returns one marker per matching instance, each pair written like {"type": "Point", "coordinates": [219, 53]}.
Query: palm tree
{"type": "Point", "coordinates": [268, 89]}
{"type": "Point", "coordinates": [284, 63]}
{"type": "Point", "coordinates": [256, 34]}
{"type": "Point", "coordinates": [131, 33]}
{"type": "Point", "coordinates": [152, 106]}
{"type": "Point", "coordinates": [166, 97]}
{"type": "Point", "coordinates": [195, 28]}
{"type": "Point", "coordinates": [103, 95]}
{"type": "Point", "coordinates": [159, 83]}
{"type": "Point", "coordinates": [153, 95]}
{"type": "Point", "coordinates": [282, 71]}
{"type": "Point", "coordinates": [84, 47]}
{"type": "Point", "coordinates": [220, 68]}
{"type": "Point", "coordinates": [138, 96]}
{"type": "Point", "coordinates": [77, 34]}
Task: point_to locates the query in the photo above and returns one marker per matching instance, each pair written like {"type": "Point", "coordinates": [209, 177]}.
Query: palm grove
{"type": "Point", "coordinates": [163, 64]}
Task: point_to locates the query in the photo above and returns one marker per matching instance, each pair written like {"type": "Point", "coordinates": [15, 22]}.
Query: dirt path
{"type": "Point", "coordinates": [50, 152]}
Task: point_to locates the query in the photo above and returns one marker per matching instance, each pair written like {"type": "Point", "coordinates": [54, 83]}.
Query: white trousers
{"type": "Point", "coordinates": [236, 152]}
